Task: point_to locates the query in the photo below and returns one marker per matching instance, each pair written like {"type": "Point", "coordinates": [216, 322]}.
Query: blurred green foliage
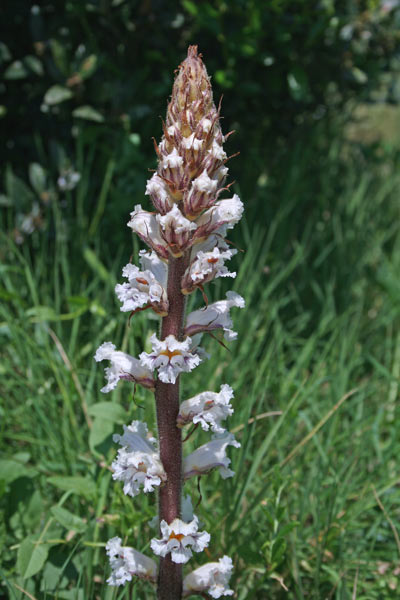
{"type": "Point", "coordinates": [97, 74]}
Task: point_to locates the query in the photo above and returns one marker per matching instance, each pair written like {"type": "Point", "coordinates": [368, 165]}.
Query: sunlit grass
{"type": "Point", "coordinates": [315, 372]}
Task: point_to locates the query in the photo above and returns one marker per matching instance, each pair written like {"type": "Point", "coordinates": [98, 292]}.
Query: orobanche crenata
{"type": "Point", "coordinates": [186, 238]}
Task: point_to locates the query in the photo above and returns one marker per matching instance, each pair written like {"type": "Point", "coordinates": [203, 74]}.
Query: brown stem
{"type": "Point", "coordinates": [170, 438]}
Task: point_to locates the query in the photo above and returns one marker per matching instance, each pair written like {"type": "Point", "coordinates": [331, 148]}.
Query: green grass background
{"type": "Point", "coordinates": [314, 504]}
{"type": "Point", "coordinates": [313, 512]}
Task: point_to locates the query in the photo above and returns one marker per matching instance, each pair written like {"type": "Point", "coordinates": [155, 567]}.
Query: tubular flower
{"type": "Point", "coordinates": [211, 456]}
{"type": "Point", "coordinates": [176, 231]}
{"type": "Point", "coordinates": [144, 289]}
{"type": "Point", "coordinates": [137, 463]}
{"type": "Point", "coordinates": [179, 539]}
{"type": "Point", "coordinates": [215, 316]}
{"type": "Point", "coordinates": [208, 409]}
{"type": "Point", "coordinates": [206, 267]}
{"type": "Point", "coordinates": [212, 579]}
{"type": "Point", "coordinates": [146, 226]}
{"type": "Point", "coordinates": [127, 562]}
{"type": "Point", "coordinates": [170, 357]}
{"type": "Point", "coordinates": [123, 366]}
{"type": "Point", "coordinates": [202, 194]}
{"type": "Point", "coordinates": [157, 189]}
{"type": "Point", "coordinates": [226, 213]}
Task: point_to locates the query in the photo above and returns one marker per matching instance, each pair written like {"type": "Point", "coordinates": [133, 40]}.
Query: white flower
{"type": "Point", "coordinates": [170, 357]}
{"type": "Point", "coordinates": [126, 562]}
{"type": "Point", "coordinates": [145, 224]}
{"type": "Point", "coordinates": [179, 539]}
{"type": "Point", "coordinates": [226, 212]}
{"type": "Point", "coordinates": [157, 189]}
{"type": "Point", "coordinates": [210, 456]}
{"type": "Point", "coordinates": [123, 366]}
{"type": "Point", "coordinates": [192, 143]}
{"type": "Point", "coordinates": [204, 183]}
{"type": "Point", "coordinates": [172, 160]}
{"type": "Point", "coordinates": [208, 409]}
{"type": "Point", "coordinates": [215, 316]}
{"type": "Point", "coordinates": [212, 578]}
{"type": "Point", "coordinates": [205, 124]}
{"type": "Point", "coordinates": [201, 195]}
{"type": "Point", "coordinates": [205, 267]}
{"type": "Point", "coordinates": [171, 129]}
{"type": "Point", "coordinates": [176, 230]}
{"type": "Point", "coordinates": [137, 463]}
{"type": "Point", "coordinates": [217, 151]}
{"type": "Point", "coordinates": [68, 180]}
{"type": "Point", "coordinates": [144, 288]}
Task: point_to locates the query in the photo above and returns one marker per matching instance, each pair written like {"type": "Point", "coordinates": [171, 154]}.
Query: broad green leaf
{"type": "Point", "coordinates": [38, 314]}
{"type": "Point", "coordinates": [79, 485]}
{"type": "Point", "coordinates": [109, 411]}
{"type": "Point", "coordinates": [16, 189]}
{"type": "Point", "coordinates": [3, 111]}
{"type": "Point", "coordinates": [31, 556]}
{"type": "Point", "coordinates": [59, 56]}
{"type": "Point", "coordinates": [37, 177]}
{"type": "Point", "coordinates": [191, 7]}
{"type": "Point", "coordinates": [33, 64]}
{"type": "Point", "coordinates": [88, 113]}
{"type": "Point", "coordinates": [78, 301]}
{"type": "Point", "coordinates": [17, 70]}
{"type": "Point", "coordinates": [359, 76]}
{"type": "Point", "coordinates": [5, 200]}
{"type": "Point", "coordinates": [100, 431]}
{"type": "Point", "coordinates": [75, 594]}
{"type": "Point", "coordinates": [88, 66]}
{"type": "Point", "coordinates": [5, 54]}
{"type": "Point", "coordinates": [11, 470]}
{"type": "Point", "coordinates": [67, 519]}
{"type": "Point", "coordinates": [33, 512]}
{"type": "Point", "coordinates": [57, 94]}
{"type": "Point", "coordinates": [42, 313]}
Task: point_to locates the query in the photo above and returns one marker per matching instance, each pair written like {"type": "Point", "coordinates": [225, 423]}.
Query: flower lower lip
{"type": "Point", "coordinates": [170, 353]}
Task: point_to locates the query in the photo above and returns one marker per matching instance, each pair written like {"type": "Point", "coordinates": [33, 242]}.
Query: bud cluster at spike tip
{"type": "Point", "coordinates": [190, 223]}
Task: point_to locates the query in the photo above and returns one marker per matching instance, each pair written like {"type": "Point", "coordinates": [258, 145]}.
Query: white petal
{"type": "Point", "coordinates": [210, 456]}
{"type": "Point", "coordinates": [172, 160]}
{"type": "Point", "coordinates": [174, 219]}
{"type": "Point", "coordinates": [208, 409]}
{"type": "Point", "coordinates": [212, 578]}
{"type": "Point", "coordinates": [127, 562]}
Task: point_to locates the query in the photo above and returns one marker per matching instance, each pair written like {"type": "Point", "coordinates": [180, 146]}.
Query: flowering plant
{"type": "Point", "coordinates": [188, 248]}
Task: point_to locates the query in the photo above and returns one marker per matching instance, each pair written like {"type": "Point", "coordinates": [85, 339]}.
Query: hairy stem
{"type": "Point", "coordinates": [170, 438]}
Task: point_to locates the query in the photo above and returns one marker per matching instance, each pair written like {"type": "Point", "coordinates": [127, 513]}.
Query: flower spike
{"type": "Point", "coordinates": [186, 236]}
